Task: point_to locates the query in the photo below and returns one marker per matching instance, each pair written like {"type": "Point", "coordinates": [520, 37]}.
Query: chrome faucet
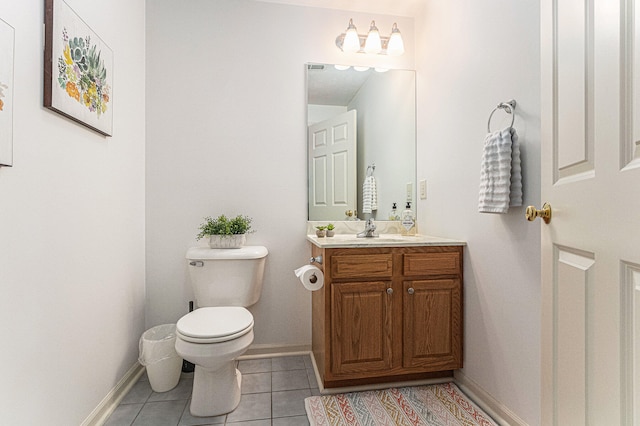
{"type": "Point", "coordinates": [369, 230]}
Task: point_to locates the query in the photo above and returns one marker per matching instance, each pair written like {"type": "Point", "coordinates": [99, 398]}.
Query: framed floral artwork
{"type": "Point", "coordinates": [78, 69]}
{"type": "Point", "coordinates": [7, 37]}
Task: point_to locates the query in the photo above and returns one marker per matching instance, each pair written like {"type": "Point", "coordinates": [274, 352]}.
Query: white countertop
{"type": "Point", "coordinates": [384, 240]}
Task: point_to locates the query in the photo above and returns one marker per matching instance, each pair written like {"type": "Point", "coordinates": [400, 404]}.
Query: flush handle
{"type": "Point", "coordinates": [198, 263]}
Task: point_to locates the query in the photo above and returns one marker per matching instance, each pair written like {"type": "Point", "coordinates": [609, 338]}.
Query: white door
{"type": "Point", "coordinates": [591, 178]}
{"type": "Point", "coordinates": [332, 167]}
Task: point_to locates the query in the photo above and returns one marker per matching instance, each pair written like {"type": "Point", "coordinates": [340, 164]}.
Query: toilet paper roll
{"type": "Point", "coordinates": [311, 277]}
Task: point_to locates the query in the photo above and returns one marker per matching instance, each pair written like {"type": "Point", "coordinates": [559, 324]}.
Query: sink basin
{"type": "Point", "coordinates": [380, 239]}
{"type": "Point", "coordinates": [388, 238]}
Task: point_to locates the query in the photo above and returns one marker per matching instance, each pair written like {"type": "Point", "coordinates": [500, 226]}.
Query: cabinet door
{"type": "Point", "coordinates": [361, 314]}
{"type": "Point", "coordinates": [432, 315]}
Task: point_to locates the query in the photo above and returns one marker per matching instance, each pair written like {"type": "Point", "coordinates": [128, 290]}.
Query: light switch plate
{"type": "Point", "coordinates": [409, 192]}
{"type": "Point", "coordinates": [423, 189]}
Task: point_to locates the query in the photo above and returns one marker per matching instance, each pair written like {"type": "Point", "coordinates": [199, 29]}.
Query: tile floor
{"type": "Point", "coordinates": [273, 393]}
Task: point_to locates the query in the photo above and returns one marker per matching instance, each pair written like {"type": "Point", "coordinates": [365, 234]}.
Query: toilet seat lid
{"type": "Point", "coordinates": [215, 324]}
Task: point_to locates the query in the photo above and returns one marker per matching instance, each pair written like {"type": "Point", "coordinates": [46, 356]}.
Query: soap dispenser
{"type": "Point", "coordinates": [408, 220]}
{"type": "Point", "coordinates": [393, 214]}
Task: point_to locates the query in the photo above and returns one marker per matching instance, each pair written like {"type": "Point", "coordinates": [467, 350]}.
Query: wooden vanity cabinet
{"type": "Point", "coordinates": [387, 314]}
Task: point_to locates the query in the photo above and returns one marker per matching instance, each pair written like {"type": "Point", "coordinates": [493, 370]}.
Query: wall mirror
{"type": "Point", "coordinates": [360, 123]}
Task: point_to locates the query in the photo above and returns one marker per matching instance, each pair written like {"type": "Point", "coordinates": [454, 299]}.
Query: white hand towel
{"type": "Point", "coordinates": [369, 195]}
{"type": "Point", "coordinates": [500, 174]}
{"type": "Point", "coordinates": [374, 193]}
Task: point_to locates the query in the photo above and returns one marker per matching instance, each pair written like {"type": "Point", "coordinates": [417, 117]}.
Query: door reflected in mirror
{"type": "Point", "coordinates": [357, 120]}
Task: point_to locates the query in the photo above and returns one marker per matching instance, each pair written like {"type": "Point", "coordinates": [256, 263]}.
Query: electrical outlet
{"type": "Point", "coordinates": [423, 189]}
{"type": "Point", "coordinates": [409, 191]}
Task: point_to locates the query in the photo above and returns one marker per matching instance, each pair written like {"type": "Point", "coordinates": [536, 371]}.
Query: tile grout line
{"type": "Point", "coordinates": [282, 367]}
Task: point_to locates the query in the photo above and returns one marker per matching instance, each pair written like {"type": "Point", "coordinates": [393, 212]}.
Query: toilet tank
{"type": "Point", "coordinates": [226, 277]}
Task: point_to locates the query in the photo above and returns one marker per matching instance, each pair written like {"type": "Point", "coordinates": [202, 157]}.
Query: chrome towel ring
{"type": "Point", "coordinates": [370, 169]}
{"type": "Point", "coordinates": [509, 108]}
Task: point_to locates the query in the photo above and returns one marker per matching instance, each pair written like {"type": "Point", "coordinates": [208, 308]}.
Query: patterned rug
{"type": "Point", "coordinates": [434, 405]}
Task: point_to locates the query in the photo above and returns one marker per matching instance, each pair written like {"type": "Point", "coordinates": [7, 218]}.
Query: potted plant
{"type": "Point", "coordinates": [331, 230]}
{"type": "Point", "coordinates": [320, 231]}
{"type": "Point", "coordinates": [224, 232]}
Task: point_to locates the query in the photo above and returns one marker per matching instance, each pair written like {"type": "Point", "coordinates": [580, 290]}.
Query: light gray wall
{"type": "Point", "coordinates": [226, 128]}
{"type": "Point", "coordinates": [71, 230]}
{"type": "Point", "coordinates": [226, 133]}
{"type": "Point", "coordinates": [470, 57]}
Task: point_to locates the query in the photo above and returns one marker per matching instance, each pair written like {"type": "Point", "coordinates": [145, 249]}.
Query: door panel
{"type": "Point", "coordinates": [332, 167]}
{"type": "Point", "coordinates": [630, 124]}
{"type": "Point", "coordinates": [574, 97]}
{"type": "Point", "coordinates": [591, 178]}
{"type": "Point", "coordinates": [574, 280]}
{"type": "Point", "coordinates": [432, 324]}
{"type": "Point", "coordinates": [631, 342]}
{"type": "Point", "coordinates": [361, 315]}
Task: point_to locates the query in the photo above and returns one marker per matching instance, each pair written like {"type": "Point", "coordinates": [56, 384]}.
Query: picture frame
{"type": "Point", "coordinates": [78, 69]}
{"type": "Point", "coordinates": [7, 51]}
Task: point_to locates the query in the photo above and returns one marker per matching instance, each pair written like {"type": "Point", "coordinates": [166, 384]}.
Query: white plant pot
{"type": "Point", "coordinates": [227, 241]}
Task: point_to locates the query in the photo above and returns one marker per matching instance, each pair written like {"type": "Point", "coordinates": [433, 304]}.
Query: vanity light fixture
{"type": "Point", "coordinates": [395, 45]}
{"type": "Point", "coordinates": [350, 39]}
{"type": "Point", "coordinates": [358, 68]}
{"type": "Point", "coordinates": [352, 42]}
{"type": "Point", "coordinates": [373, 43]}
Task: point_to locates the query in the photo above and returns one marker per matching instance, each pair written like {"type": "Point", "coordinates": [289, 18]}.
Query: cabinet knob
{"type": "Point", "coordinates": [389, 290]}
{"type": "Point", "coordinates": [411, 290]}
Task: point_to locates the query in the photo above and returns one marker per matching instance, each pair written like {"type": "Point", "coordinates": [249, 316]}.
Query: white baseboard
{"type": "Point", "coordinates": [498, 411]}
{"type": "Point", "coordinates": [102, 412]}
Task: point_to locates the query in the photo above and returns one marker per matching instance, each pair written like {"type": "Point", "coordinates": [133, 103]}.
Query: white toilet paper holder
{"type": "Point", "coordinates": [317, 259]}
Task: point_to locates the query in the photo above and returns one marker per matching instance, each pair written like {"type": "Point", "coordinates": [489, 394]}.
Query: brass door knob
{"type": "Point", "coordinates": [545, 214]}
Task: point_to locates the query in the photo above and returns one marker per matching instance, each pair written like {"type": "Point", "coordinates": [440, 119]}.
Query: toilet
{"type": "Point", "coordinates": [225, 282]}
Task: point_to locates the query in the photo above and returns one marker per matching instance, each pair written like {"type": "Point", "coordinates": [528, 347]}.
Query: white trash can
{"type": "Point", "coordinates": [158, 354]}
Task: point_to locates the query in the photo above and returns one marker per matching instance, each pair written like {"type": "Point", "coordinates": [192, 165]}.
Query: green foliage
{"type": "Point", "coordinates": [330, 227]}
{"type": "Point", "coordinates": [222, 225]}
{"type": "Point", "coordinates": [321, 228]}
{"type": "Point", "coordinates": [82, 73]}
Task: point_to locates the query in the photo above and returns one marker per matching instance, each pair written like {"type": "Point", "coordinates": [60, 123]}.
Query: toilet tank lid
{"type": "Point", "coordinates": [245, 252]}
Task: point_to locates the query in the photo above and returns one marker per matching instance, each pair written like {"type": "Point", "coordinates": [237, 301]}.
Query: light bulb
{"type": "Point", "coordinates": [360, 68]}
{"type": "Point", "coordinates": [342, 67]}
{"type": "Point", "coordinates": [373, 43]}
{"type": "Point", "coordinates": [395, 46]}
{"type": "Point", "coordinates": [351, 43]}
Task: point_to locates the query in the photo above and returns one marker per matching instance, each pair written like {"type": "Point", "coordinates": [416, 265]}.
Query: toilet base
{"type": "Point", "coordinates": [215, 392]}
